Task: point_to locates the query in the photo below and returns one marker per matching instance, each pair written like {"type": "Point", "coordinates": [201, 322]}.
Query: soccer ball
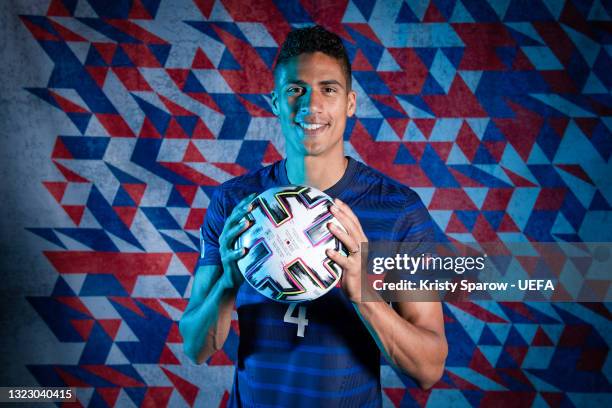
{"type": "Point", "coordinates": [286, 244]}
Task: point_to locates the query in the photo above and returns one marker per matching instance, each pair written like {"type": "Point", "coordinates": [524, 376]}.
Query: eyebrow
{"type": "Point", "coordinates": [321, 83]}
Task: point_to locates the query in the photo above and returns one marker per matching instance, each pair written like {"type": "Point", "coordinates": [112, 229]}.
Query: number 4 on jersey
{"type": "Point", "coordinates": [300, 320]}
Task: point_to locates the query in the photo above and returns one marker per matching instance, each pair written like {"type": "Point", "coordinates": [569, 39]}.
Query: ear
{"type": "Point", "coordinates": [352, 103]}
{"type": "Point", "coordinates": [275, 108]}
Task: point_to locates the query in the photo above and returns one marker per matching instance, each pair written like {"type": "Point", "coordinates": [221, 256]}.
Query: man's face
{"type": "Point", "coordinates": [312, 102]}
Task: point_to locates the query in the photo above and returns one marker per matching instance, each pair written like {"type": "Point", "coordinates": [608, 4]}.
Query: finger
{"type": "Point", "coordinates": [239, 212]}
{"type": "Point", "coordinates": [234, 255]}
{"type": "Point", "coordinates": [241, 209]}
{"type": "Point", "coordinates": [346, 222]}
{"type": "Point", "coordinates": [230, 235]}
{"type": "Point", "coordinates": [338, 258]}
{"type": "Point", "coordinates": [350, 214]}
{"type": "Point", "coordinates": [349, 242]}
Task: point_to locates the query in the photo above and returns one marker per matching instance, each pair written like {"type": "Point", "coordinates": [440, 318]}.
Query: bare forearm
{"type": "Point", "coordinates": [205, 326]}
{"type": "Point", "coordinates": [417, 351]}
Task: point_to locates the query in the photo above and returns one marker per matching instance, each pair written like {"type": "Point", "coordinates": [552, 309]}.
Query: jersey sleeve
{"type": "Point", "coordinates": [211, 230]}
{"type": "Point", "coordinates": [415, 224]}
{"type": "Point", "coordinates": [414, 235]}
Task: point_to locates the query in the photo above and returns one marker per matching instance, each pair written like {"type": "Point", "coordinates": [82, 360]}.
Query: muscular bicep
{"type": "Point", "coordinates": [426, 315]}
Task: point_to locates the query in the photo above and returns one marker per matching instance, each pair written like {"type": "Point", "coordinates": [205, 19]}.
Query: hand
{"type": "Point", "coordinates": [352, 240]}
{"type": "Point", "coordinates": [235, 225]}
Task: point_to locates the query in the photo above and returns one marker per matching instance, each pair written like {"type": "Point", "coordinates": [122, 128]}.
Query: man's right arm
{"type": "Point", "coordinates": [206, 321]}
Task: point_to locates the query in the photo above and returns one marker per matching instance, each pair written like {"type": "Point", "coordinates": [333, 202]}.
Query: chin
{"type": "Point", "coordinates": [316, 146]}
{"type": "Point", "coordinates": [313, 151]}
{"type": "Point", "coordinates": [324, 148]}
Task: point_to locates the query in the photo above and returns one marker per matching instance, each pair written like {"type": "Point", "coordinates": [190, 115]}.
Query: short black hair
{"type": "Point", "coordinates": [312, 39]}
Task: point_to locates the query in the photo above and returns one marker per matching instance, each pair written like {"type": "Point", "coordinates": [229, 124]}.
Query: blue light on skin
{"type": "Point", "coordinates": [311, 91]}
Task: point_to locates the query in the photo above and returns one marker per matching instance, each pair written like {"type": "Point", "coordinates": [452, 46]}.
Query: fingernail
{"type": "Point", "coordinates": [333, 208]}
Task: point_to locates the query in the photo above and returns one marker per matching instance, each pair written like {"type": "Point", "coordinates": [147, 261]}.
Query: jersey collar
{"type": "Point", "coordinates": [335, 190]}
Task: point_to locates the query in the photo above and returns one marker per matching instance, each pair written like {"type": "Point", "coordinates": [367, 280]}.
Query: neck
{"type": "Point", "coordinates": [321, 172]}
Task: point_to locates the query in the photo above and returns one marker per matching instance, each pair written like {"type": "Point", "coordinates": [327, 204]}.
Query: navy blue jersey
{"type": "Point", "coordinates": [317, 353]}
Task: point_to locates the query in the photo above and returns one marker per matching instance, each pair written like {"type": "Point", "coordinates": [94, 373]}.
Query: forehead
{"type": "Point", "coordinates": [310, 68]}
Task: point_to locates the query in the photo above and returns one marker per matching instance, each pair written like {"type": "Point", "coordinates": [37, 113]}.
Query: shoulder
{"type": "Point", "coordinates": [233, 190]}
{"type": "Point", "coordinates": [393, 211]}
{"type": "Point", "coordinates": [226, 195]}
{"type": "Point", "coordinates": [374, 182]}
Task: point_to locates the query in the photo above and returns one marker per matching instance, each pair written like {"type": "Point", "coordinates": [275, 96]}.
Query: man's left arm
{"type": "Point", "coordinates": [409, 334]}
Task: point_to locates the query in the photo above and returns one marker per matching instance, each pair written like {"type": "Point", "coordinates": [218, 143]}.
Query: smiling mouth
{"type": "Point", "coordinates": [311, 126]}
{"type": "Point", "coordinates": [312, 129]}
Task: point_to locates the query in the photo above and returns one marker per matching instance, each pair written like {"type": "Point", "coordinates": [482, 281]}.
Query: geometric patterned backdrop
{"type": "Point", "coordinates": [498, 113]}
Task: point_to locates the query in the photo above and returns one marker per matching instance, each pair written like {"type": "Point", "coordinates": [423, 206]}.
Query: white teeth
{"type": "Point", "coordinates": [311, 126]}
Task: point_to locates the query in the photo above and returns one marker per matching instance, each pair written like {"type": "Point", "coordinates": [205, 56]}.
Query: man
{"type": "Point", "coordinates": [324, 352]}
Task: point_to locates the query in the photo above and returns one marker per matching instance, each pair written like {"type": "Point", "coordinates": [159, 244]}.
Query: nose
{"type": "Point", "coordinates": [310, 103]}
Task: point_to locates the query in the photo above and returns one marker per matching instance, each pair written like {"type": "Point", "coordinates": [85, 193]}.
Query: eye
{"type": "Point", "coordinates": [329, 90]}
{"type": "Point", "coordinates": [295, 90]}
